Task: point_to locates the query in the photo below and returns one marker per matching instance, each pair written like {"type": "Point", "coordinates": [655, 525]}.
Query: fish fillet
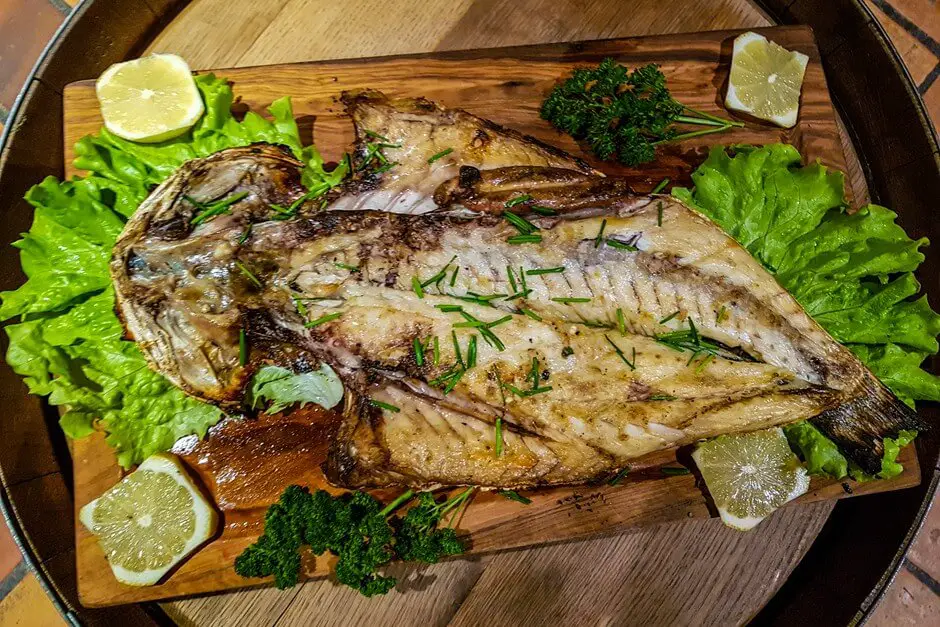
{"type": "Point", "coordinates": [633, 325]}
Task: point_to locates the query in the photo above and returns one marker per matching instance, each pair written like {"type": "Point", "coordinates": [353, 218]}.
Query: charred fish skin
{"type": "Point", "coordinates": [406, 148]}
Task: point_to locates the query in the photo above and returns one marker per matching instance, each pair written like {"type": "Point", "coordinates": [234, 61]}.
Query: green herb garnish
{"type": "Point", "coordinates": [659, 213]}
{"type": "Point", "coordinates": [660, 186]}
{"type": "Point", "coordinates": [522, 225]}
{"type": "Point", "coordinates": [669, 317]}
{"type": "Point", "coordinates": [624, 114]}
{"type": "Point", "coordinates": [498, 447]}
{"type": "Point", "coordinates": [673, 471]}
{"type": "Point", "coordinates": [248, 275]}
{"type": "Point", "coordinates": [531, 314]}
{"type": "Point", "coordinates": [621, 322]}
{"type": "Point", "coordinates": [663, 397]}
{"type": "Point", "coordinates": [416, 286]}
{"type": "Point", "coordinates": [244, 236]}
{"type": "Point", "coordinates": [213, 209]}
{"type": "Point", "coordinates": [567, 300]}
{"type": "Point", "coordinates": [518, 200]}
{"type": "Point", "coordinates": [720, 316]}
{"type": "Point", "coordinates": [346, 266]}
{"type": "Point", "coordinates": [533, 238]}
{"type": "Point", "coordinates": [512, 495]}
{"type": "Point", "coordinates": [616, 243]}
{"type": "Point", "coordinates": [323, 319]}
{"type": "Point", "coordinates": [472, 352]}
{"type": "Point", "coordinates": [385, 406]}
{"type": "Point", "coordinates": [620, 354]}
{"type": "Point", "coordinates": [616, 479]}
{"type": "Point", "coordinates": [539, 271]}
{"type": "Point", "coordinates": [242, 347]}
{"type": "Point", "coordinates": [543, 211]}
{"type": "Point", "coordinates": [440, 155]}
{"type": "Point", "coordinates": [600, 233]}
{"type": "Point", "coordinates": [449, 308]}
{"type": "Point", "coordinates": [419, 352]}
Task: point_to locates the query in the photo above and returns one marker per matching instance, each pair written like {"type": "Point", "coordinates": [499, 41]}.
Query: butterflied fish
{"type": "Point", "coordinates": [549, 342]}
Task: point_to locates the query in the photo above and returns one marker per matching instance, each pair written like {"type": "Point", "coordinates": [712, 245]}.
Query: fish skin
{"type": "Point", "coordinates": [185, 302]}
{"type": "Point", "coordinates": [424, 129]}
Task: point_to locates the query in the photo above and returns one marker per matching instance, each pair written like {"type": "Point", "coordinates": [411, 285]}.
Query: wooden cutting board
{"type": "Point", "coordinates": [244, 466]}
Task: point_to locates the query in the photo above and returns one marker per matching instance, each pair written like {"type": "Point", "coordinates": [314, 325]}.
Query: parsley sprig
{"type": "Point", "coordinates": [625, 114]}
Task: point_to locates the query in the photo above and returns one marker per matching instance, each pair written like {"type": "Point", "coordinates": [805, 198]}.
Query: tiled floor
{"type": "Point", "coordinates": [914, 27]}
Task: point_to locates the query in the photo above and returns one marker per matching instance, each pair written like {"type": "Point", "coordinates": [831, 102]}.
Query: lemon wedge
{"type": "Point", "coordinates": [765, 80]}
{"type": "Point", "coordinates": [149, 99]}
{"type": "Point", "coordinates": [749, 475]}
{"type": "Point", "coordinates": [150, 521]}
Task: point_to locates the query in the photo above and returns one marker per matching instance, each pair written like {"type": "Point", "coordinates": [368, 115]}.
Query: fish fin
{"type": "Point", "coordinates": [860, 426]}
{"type": "Point", "coordinates": [356, 455]}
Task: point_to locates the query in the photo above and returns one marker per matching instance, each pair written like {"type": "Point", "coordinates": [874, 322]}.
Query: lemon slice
{"type": "Point", "coordinates": [149, 99]}
{"type": "Point", "coordinates": [749, 475]}
{"type": "Point", "coordinates": [150, 521]}
{"type": "Point", "coordinates": [765, 80]}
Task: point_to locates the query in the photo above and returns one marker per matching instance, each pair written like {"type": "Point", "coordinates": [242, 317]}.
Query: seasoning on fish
{"type": "Point", "coordinates": [591, 355]}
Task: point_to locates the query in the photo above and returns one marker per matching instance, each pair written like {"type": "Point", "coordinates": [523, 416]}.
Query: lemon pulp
{"type": "Point", "coordinates": [150, 99]}
{"type": "Point", "coordinates": [150, 521]}
{"type": "Point", "coordinates": [749, 475]}
{"type": "Point", "coordinates": [765, 80]}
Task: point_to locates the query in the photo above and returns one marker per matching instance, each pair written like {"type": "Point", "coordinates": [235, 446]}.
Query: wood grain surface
{"type": "Point", "coordinates": [650, 576]}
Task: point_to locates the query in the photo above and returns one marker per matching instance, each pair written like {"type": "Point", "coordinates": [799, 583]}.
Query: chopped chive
{"type": "Point", "coordinates": [518, 200]}
{"type": "Point", "coordinates": [301, 308]}
{"type": "Point", "coordinates": [544, 211]}
{"type": "Point", "coordinates": [470, 324]}
{"type": "Point", "coordinates": [472, 352]}
{"type": "Point", "coordinates": [491, 339]}
{"type": "Point", "coordinates": [213, 209]}
{"type": "Point", "coordinates": [384, 168]}
{"type": "Point", "coordinates": [600, 234]}
{"type": "Point", "coordinates": [453, 277]}
{"type": "Point", "coordinates": [631, 364]}
{"type": "Point", "coordinates": [322, 319]}
{"type": "Point", "coordinates": [534, 372]}
{"type": "Point", "coordinates": [490, 325]}
{"type": "Point", "coordinates": [419, 352]}
{"type": "Point", "coordinates": [533, 238]}
{"type": "Point", "coordinates": [244, 236]}
{"type": "Point", "coordinates": [669, 317]}
{"type": "Point", "coordinates": [512, 279]}
{"type": "Point", "coordinates": [616, 479]}
{"type": "Point", "coordinates": [659, 213]}
{"type": "Point", "coordinates": [499, 435]}
{"type": "Point", "coordinates": [522, 225]}
{"type": "Point", "coordinates": [436, 278]}
{"type": "Point", "coordinates": [512, 495]}
{"type": "Point", "coordinates": [460, 361]}
{"type": "Point", "coordinates": [280, 209]}
{"type": "Point", "coordinates": [346, 266]}
{"type": "Point", "coordinates": [531, 314]}
{"type": "Point", "coordinates": [440, 155]}
{"type": "Point", "coordinates": [663, 397]}
{"type": "Point", "coordinates": [539, 271]}
{"type": "Point", "coordinates": [616, 243]}
{"type": "Point", "coordinates": [568, 300]}
{"type": "Point", "coordinates": [454, 381]}
{"type": "Point", "coordinates": [416, 286]}
{"type": "Point", "coordinates": [385, 406]}
{"type": "Point", "coordinates": [703, 363]}
{"type": "Point", "coordinates": [693, 331]}
{"type": "Point", "coordinates": [375, 135]}
{"type": "Point", "coordinates": [621, 322]}
{"type": "Point", "coordinates": [248, 275]}
{"type": "Point", "coordinates": [661, 186]}
{"type": "Point", "coordinates": [449, 308]}
{"type": "Point", "coordinates": [437, 351]}
{"type": "Point", "coordinates": [242, 347]}
{"type": "Point", "coordinates": [670, 471]}
{"type": "Point", "coordinates": [526, 393]}
{"type": "Point", "coordinates": [486, 298]}
{"type": "Point", "coordinates": [595, 324]}
{"type": "Point", "coordinates": [721, 315]}
{"type": "Point", "coordinates": [522, 294]}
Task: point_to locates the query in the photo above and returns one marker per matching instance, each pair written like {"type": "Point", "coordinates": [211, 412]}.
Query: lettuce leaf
{"type": "Point", "coordinates": [852, 272]}
{"type": "Point", "coordinates": [283, 388]}
{"type": "Point", "coordinates": [67, 344]}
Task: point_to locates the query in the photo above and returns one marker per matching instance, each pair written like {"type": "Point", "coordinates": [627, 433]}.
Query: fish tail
{"type": "Point", "coordinates": [860, 426]}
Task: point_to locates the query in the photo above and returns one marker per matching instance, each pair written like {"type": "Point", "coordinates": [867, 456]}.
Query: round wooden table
{"type": "Point", "coordinates": [694, 572]}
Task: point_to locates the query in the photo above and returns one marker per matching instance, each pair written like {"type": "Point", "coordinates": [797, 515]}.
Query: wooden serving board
{"type": "Point", "coordinates": [245, 465]}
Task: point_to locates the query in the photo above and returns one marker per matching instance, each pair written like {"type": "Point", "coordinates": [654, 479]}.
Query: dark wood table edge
{"type": "Point", "coordinates": [141, 19]}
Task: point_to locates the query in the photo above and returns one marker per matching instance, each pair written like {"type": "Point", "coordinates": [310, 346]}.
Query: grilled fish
{"type": "Point", "coordinates": [471, 353]}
